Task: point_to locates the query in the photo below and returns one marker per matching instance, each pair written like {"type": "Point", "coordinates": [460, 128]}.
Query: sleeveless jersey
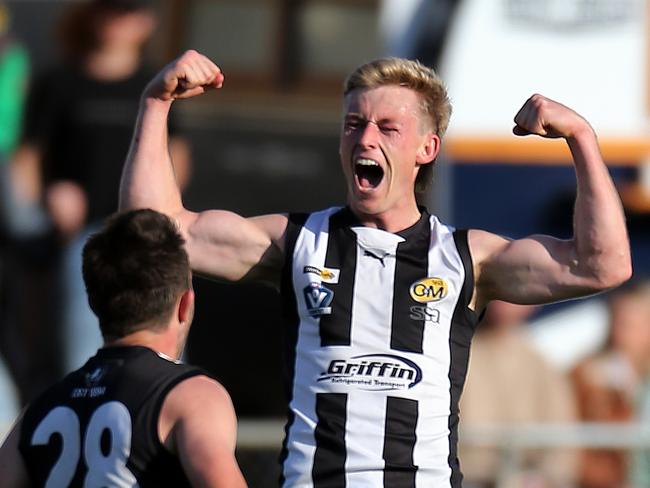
{"type": "Point", "coordinates": [99, 425]}
{"type": "Point", "coordinates": [378, 338]}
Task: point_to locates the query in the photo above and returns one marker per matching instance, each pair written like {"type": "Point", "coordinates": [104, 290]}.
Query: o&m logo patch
{"type": "Point", "coordinates": [430, 289]}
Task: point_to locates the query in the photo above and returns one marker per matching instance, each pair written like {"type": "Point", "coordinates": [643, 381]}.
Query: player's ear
{"type": "Point", "coordinates": [186, 307]}
{"type": "Point", "coordinates": [429, 149]}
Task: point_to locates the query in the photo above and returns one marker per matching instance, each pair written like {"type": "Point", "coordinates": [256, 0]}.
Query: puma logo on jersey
{"type": "Point", "coordinates": [318, 299]}
{"type": "Point", "coordinates": [377, 256]}
{"type": "Point", "coordinates": [428, 290]}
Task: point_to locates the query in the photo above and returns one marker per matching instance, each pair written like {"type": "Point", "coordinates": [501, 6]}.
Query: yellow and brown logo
{"type": "Point", "coordinates": [428, 290]}
{"type": "Point", "coordinates": [328, 275]}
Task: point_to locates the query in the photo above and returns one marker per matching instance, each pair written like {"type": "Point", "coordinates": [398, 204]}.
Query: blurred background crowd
{"type": "Point", "coordinates": [556, 396]}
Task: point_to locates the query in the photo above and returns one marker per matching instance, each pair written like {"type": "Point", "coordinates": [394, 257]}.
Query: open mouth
{"type": "Point", "coordinates": [368, 173]}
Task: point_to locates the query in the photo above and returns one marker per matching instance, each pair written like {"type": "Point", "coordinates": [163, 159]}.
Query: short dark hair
{"type": "Point", "coordinates": [135, 269]}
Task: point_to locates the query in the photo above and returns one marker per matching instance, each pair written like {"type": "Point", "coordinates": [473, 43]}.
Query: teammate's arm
{"type": "Point", "coordinates": [221, 244]}
{"type": "Point", "coordinates": [12, 468]}
{"type": "Point", "coordinates": [198, 424]}
{"type": "Point", "coordinates": [541, 269]}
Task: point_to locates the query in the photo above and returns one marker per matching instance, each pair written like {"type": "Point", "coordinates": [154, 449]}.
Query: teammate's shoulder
{"type": "Point", "coordinates": [201, 384]}
{"type": "Point", "coordinates": [57, 388]}
{"type": "Point", "coordinates": [198, 393]}
{"type": "Point", "coordinates": [56, 395]}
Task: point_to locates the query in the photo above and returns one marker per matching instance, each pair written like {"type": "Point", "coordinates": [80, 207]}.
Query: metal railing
{"type": "Point", "coordinates": [511, 442]}
{"type": "Point", "coordinates": [269, 434]}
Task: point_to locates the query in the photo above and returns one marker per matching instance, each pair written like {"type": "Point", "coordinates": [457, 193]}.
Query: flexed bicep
{"type": "Point", "coordinates": [533, 270]}
{"type": "Point", "coordinates": [542, 269]}
{"type": "Point", "coordinates": [227, 246]}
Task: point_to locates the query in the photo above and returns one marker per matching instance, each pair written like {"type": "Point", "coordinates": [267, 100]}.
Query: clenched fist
{"type": "Point", "coordinates": [187, 76]}
{"type": "Point", "coordinates": [548, 118]}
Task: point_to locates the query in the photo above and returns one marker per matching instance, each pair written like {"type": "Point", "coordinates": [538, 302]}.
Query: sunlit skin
{"type": "Point", "coordinates": [629, 328]}
{"type": "Point", "coordinates": [385, 125]}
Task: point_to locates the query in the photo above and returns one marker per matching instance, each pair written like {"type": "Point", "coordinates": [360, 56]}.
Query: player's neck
{"type": "Point", "coordinates": [165, 341]}
{"type": "Point", "coordinates": [392, 220]}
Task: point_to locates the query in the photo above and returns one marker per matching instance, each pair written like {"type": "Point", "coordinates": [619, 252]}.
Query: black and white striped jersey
{"type": "Point", "coordinates": [378, 339]}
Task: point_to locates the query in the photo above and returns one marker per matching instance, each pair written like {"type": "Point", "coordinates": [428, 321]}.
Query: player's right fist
{"type": "Point", "coordinates": [189, 75]}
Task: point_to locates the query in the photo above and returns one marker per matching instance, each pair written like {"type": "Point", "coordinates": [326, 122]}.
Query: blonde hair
{"type": "Point", "coordinates": [410, 74]}
{"type": "Point", "coordinates": [435, 103]}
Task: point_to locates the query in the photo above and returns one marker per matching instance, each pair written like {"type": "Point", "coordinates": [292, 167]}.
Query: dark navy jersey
{"type": "Point", "coordinates": [98, 427]}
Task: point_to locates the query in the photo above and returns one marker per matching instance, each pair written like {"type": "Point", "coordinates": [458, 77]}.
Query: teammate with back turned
{"type": "Point", "coordinates": [133, 415]}
{"type": "Point", "coordinates": [380, 298]}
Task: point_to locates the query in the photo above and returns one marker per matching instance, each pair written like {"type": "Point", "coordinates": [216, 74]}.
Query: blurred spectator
{"type": "Point", "coordinates": [14, 66]}
{"type": "Point", "coordinates": [79, 121]}
{"type": "Point", "coordinates": [608, 384]}
{"type": "Point", "coordinates": [640, 472]}
{"type": "Point", "coordinates": [510, 384]}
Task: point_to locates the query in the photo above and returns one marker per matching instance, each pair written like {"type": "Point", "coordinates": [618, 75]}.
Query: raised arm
{"type": "Point", "coordinates": [221, 244]}
{"type": "Point", "coordinates": [542, 269]}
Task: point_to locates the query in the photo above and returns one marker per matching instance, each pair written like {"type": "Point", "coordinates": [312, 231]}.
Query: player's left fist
{"type": "Point", "coordinates": [548, 118]}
